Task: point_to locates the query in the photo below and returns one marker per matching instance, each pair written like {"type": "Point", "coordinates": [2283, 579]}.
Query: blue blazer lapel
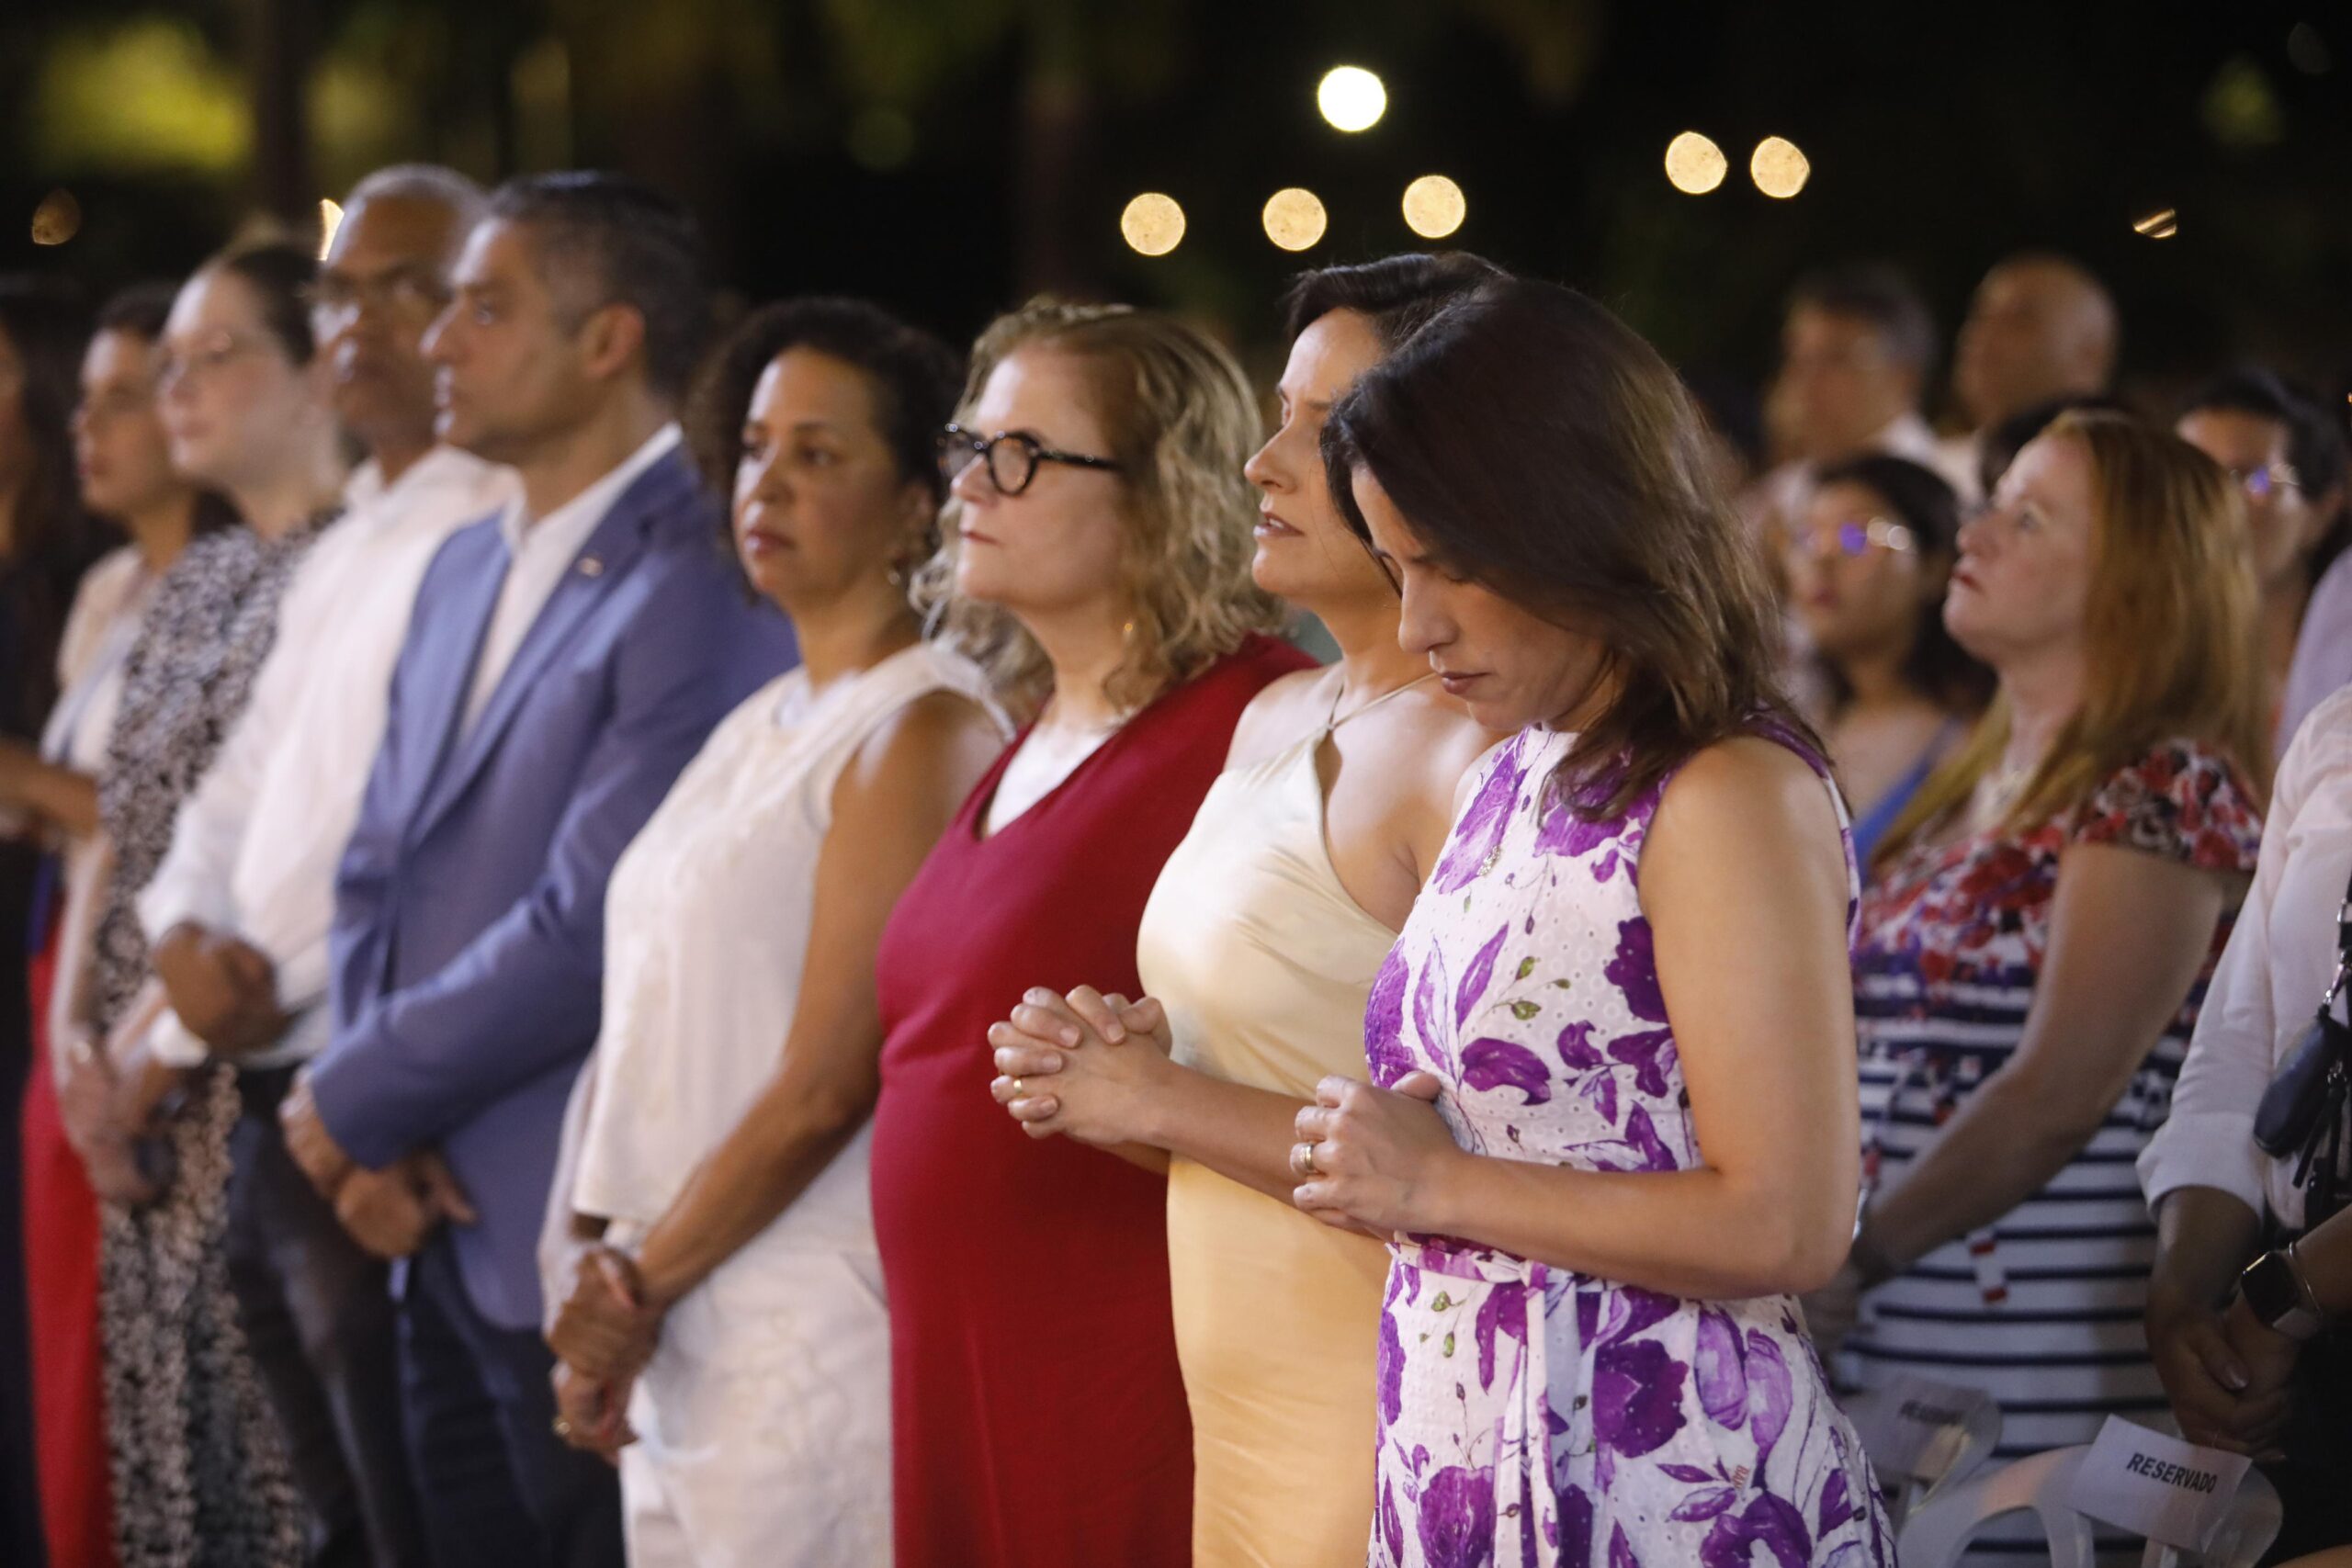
{"type": "Point", "coordinates": [445, 667]}
{"type": "Point", "coordinates": [601, 564]}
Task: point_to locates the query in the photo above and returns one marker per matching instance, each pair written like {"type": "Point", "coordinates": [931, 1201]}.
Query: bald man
{"type": "Point", "coordinates": [2040, 327]}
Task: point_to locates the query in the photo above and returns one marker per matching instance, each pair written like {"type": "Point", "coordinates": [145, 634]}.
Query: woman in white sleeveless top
{"type": "Point", "coordinates": [1259, 949]}
{"type": "Point", "coordinates": [716, 1294]}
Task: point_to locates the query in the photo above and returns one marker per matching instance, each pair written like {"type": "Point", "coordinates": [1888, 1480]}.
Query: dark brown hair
{"type": "Point", "coordinates": [1397, 294]}
{"type": "Point", "coordinates": [1537, 445]}
{"type": "Point", "coordinates": [1937, 667]}
{"type": "Point", "coordinates": [47, 322]}
{"type": "Point", "coordinates": [912, 377]}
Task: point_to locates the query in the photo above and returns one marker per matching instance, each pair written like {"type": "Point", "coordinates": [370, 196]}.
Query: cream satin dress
{"type": "Point", "coordinates": [1264, 963]}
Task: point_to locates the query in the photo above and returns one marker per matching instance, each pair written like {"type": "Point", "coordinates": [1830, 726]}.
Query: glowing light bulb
{"type": "Point", "coordinates": [1351, 99]}
{"type": "Point", "coordinates": [1779, 168]}
{"type": "Point", "coordinates": [1434, 206]}
{"type": "Point", "coordinates": [1152, 224]}
{"type": "Point", "coordinates": [1294, 219]}
{"type": "Point", "coordinates": [1694, 165]}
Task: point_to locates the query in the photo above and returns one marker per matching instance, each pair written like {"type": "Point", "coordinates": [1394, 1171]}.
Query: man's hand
{"type": "Point", "coordinates": [392, 1212]}
{"type": "Point", "coordinates": [383, 1212]}
{"type": "Point", "coordinates": [308, 1139]}
{"type": "Point", "coordinates": [223, 989]}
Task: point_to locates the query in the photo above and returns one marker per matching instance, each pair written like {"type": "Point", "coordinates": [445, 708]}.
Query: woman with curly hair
{"type": "Point", "coordinates": [1098, 559]}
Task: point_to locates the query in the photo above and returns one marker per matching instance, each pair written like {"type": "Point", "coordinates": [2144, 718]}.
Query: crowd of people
{"type": "Point", "coordinates": [773, 952]}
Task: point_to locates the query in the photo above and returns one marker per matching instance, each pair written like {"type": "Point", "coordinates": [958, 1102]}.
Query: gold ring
{"type": "Point", "coordinates": [1307, 1159]}
{"type": "Point", "coordinates": [563, 1427]}
{"type": "Point", "coordinates": [1020, 1091]}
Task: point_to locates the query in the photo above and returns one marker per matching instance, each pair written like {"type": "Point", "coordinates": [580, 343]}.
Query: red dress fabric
{"type": "Point", "coordinates": [62, 1312]}
{"type": "Point", "coordinates": [1038, 1417]}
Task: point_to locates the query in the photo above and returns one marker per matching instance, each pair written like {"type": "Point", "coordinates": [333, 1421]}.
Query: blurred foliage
{"type": "Point", "coordinates": [948, 154]}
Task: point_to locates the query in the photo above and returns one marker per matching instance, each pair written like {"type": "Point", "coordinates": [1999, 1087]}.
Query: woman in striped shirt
{"type": "Point", "coordinates": [2041, 928]}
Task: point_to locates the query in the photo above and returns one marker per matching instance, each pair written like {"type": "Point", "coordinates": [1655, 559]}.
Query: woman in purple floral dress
{"type": "Point", "coordinates": [1624, 989]}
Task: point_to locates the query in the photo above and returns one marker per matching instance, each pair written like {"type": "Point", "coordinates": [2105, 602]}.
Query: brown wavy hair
{"type": "Point", "coordinates": [2172, 632]}
{"type": "Point", "coordinates": [1538, 446]}
{"type": "Point", "coordinates": [1181, 421]}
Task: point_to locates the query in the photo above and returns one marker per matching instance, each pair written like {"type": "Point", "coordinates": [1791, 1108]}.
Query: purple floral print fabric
{"type": "Point", "coordinates": [1529, 1415]}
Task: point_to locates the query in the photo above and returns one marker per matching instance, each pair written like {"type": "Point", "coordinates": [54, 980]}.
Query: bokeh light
{"type": "Point", "coordinates": [1294, 219]}
{"type": "Point", "coordinates": [1694, 165]}
{"type": "Point", "coordinates": [1434, 206]}
{"type": "Point", "coordinates": [2161, 224]}
{"type": "Point", "coordinates": [1779, 168]}
{"type": "Point", "coordinates": [57, 219]}
{"type": "Point", "coordinates": [1152, 224]}
{"type": "Point", "coordinates": [1351, 99]}
{"type": "Point", "coordinates": [330, 220]}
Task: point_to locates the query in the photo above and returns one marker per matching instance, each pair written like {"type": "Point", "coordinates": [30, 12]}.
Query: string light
{"type": "Point", "coordinates": [1779, 168]}
{"type": "Point", "coordinates": [1694, 165]}
{"type": "Point", "coordinates": [1294, 219]}
{"type": "Point", "coordinates": [1351, 99]}
{"type": "Point", "coordinates": [1434, 206]}
{"type": "Point", "coordinates": [1152, 224]}
{"type": "Point", "coordinates": [57, 219]}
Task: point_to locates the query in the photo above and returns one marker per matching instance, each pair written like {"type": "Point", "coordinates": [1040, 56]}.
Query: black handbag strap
{"type": "Point", "coordinates": [2343, 953]}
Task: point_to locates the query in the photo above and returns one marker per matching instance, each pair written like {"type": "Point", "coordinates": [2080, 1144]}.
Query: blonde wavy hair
{"type": "Point", "coordinates": [2171, 630]}
{"type": "Point", "coordinates": [1181, 421]}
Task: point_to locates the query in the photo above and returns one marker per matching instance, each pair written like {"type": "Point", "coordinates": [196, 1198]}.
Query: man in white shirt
{"type": "Point", "coordinates": [1856, 349]}
{"type": "Point", "coordinates": [238, 914]}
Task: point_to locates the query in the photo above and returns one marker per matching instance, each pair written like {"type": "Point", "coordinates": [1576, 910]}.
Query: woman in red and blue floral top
{"type": "Point", "coordinates": [2038, 937]}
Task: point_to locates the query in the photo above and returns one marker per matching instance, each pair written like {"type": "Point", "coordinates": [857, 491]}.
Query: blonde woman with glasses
{"type": "Point", "coordinates": [1098, 560]}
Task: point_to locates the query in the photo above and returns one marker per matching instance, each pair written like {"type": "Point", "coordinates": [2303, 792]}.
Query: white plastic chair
{"type": "Point", "coordinates": [1947, 1466]}
{"type": "Point", "coordinates": [1937, 1534]}
{"type": "Point", "coordinates": [2245, 1534]}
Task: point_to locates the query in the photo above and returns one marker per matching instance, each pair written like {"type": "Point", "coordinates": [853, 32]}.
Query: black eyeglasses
{"type": "Point", "coordinates": [1012, 457]}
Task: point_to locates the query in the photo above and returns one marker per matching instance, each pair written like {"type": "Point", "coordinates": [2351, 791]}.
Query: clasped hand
{"type": "Point", "coordinates": [1099, 1093]}
{"type": "Point", "coordinates": [1374, 1159]}
{"type": "Point", "coordinates": [2227, 1374]}
{"type": "Point", "coordinates": [603, 1333]}
{"type": "Point", "coordinates": [223, 989]}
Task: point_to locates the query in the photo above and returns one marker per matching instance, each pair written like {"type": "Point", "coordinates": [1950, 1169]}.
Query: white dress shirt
{"type": "Point", "coordinates": [254, 848]}
{"type": "Point", "coordinates": [2268, 986]}
{"type": "Point", "coordinates": [539, 553]}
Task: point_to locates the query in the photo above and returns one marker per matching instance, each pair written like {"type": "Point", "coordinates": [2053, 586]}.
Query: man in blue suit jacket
{"type": "Point", "coordinates": [564, 662]}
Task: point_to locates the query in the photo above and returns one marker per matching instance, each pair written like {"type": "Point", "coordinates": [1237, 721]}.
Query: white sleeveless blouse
{"type": "Point", "coordinates": [707, 929]}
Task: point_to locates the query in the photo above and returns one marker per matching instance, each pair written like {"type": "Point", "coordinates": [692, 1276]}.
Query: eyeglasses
{"type": "Point", "coordinates": [405, 294]}
{"type": "Point", "coordinates": [1012, 457]}
{"type": "Point", "coordinates": [203, 359]}
{"type": "Point", "coordinates": [1854, 537]}
{"type": "Point", "coordinates": [2259, 483]}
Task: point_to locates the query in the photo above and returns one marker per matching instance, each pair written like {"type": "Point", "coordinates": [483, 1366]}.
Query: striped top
{"type": "Point", "coordinates": [2041, 1310]}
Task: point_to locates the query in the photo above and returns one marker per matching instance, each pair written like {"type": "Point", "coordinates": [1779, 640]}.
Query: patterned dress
{"type": "Point", "coordinates": [200, 1477]}
{"type": "Point", "coordinates": [1530, 1415]}
{"type": "Point", "coordinates": [2042, 1309]}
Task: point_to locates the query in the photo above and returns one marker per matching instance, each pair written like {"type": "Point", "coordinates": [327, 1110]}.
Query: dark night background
{"type": "Point", "coordinates": [948, 156]}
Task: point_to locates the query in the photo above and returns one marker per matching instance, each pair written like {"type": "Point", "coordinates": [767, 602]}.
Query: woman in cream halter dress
{"type": "Point", "coordinates": [1257, 952]}
{"type": "Point", "coordinates": [1263, 962]}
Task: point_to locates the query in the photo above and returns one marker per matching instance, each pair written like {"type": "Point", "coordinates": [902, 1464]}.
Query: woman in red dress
{"type": "Point", "coordinates": [52, 791]}
{"type": "Point", "coordinates": [1098, 557]}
